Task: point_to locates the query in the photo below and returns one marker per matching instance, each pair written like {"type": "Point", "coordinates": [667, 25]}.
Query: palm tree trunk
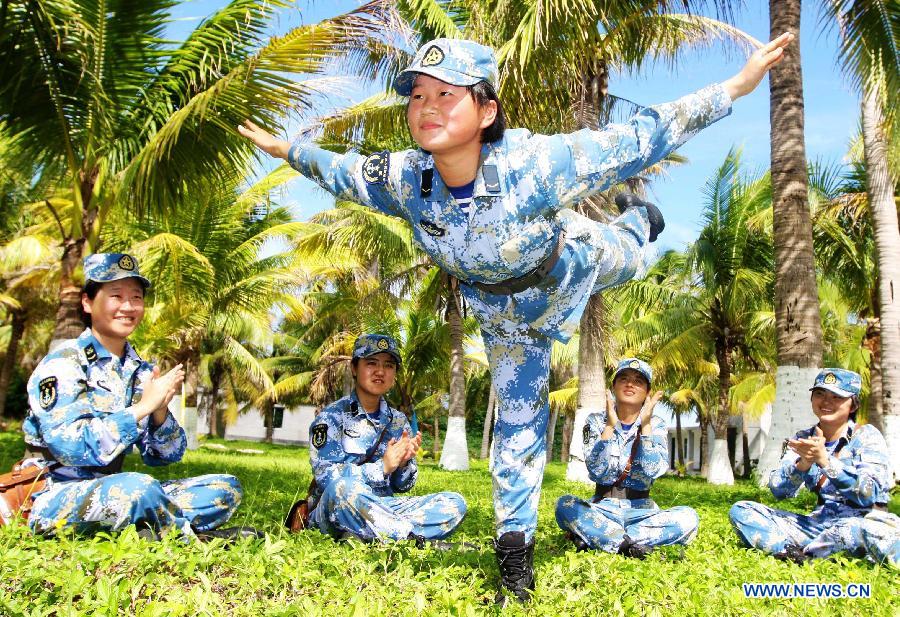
{"type": "Point", "coordinates": [488, 424]}
{"type": "Point", "coordinates": [591, 384]}
{"type": "Point", "coordinates": [551, 433]}
{"type": "Point", "coordinates": [720, 471]}
{"type": "Point", "coordinates": [437, 434]}
{"type": "Point", "coordinates": [887, 243]}
{"type": "Point", "coordinates": [797, 317]}
{"type": "Point", "coordinates": [568, 429]}
{"type": "Point", "coordinates": [17, 328]}
{"type": "Point", "coordinates": [704, 446]}
{"type": "Point", "coordinates": [269, 420]}
{"type": "Point", "coordinates": [68, 320]}
{"type": "Point", "coordinates": [455, 455]}
{"type": "Point", "coordinates": [212, 401]}
{"type": "Point", "coordinates": [745, 445]}
{"type": "Point", "coordinates": [679, 445]}
{"type": "Point", "coordinates": [872, 342]}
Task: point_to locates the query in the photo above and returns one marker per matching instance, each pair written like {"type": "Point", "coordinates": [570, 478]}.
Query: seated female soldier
{"type": "Point", "coordinates": [92, 399]}
{"type": "Point", "coordinates": [625, 451]}
{"type": "Point", "coordinates": [362, 453]}
{"type": "Point", "coordinates": [844, 464]}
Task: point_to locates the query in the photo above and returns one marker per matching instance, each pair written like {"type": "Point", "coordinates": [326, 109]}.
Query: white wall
{"type": "Point", "coordinates": [294, 428]}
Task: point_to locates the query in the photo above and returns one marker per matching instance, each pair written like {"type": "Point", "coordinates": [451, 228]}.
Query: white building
{"type": "Point", "coordinates": [757, 431]}
{"type": "Point", "coordinates": [293, 427]}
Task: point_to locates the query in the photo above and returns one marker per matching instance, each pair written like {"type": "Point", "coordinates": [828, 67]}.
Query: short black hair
{"type": "Point", "coordinates": [483, 93]}
{"type": "Point", "coordinates": [90, 289]}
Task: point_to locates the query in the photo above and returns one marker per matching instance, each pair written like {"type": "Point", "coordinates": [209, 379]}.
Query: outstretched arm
{"type": "Point", "coordinates": [757, 66]}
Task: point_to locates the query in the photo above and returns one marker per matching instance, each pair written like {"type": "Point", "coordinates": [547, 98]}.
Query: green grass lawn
{"type": "Point", "coordinates": [309, 574]}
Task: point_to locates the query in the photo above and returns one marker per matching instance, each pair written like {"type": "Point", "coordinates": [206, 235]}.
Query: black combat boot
{"type": "Point", "coordinates": [792, 552]}
{"type": "Point", "coordinates": [630, 548]}
{"type": "Point", "coordinates": [580, 545]}
{"type": "Point", "coordinates": [515, 559]}
{"type": "Point", "coordinates": [657, 223]}
{"type": "Point", "coordinates": [230, 534]}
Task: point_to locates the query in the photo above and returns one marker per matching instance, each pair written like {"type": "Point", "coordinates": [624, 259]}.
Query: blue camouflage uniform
{"type": "Point", "coordinates": [356, 497]}
{"type": "Point", "coordinates": [81, 422]}
{"type": "Point", "coordinates": [603, 524]}
{"type": "Point", "coordinates": [857, 479]}
{"type": "Point", "coordinates": [521, 198]}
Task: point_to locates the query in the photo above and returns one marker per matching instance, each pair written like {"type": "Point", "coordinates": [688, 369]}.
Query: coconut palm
{"type": "Point", "coordinates": [120, 117]}
{"type": "Point", "coordinates": [718, 296]}
{"type": "Point", "coordinates": [215, 289]}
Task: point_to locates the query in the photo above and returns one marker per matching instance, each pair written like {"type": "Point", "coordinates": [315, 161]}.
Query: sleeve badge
{"type": "Point", "coordinates": [48, 392]}
{"type": "Point", "coordinates": [319, 435]}
{"type": "Point", "coordinates": [375, 168]}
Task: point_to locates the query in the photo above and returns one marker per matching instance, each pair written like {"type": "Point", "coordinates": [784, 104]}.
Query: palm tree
{"type": "Point", "coordinates": [796, 301]}
{"type": "Point", "coordinates": [215, 291]}
{"type": "Point", "coordinates": [717, 305]}
{"type": "Point", "coordinates": [102, 104]}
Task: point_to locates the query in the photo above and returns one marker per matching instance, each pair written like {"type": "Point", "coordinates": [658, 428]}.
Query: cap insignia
{"type": "Point", "coordinates": [432, 57]}
{"type": "Point", "coordinates": [126, 262]}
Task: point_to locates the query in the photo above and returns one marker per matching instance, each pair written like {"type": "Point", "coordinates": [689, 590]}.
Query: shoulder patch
{"type": "Point", "coordinates": [319, 435]}
{"type": "Point", "coordinates": [375, 169]}
{"type": "Point", "coordinates": [90, 352]}
{"type": "Point", "coordinates": [48, 392]}
{"type": "Point", "coordinates": [586, 433]}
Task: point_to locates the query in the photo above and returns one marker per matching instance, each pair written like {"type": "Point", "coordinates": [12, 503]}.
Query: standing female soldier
{"type": "Point", "coordinates": [490, 207]}
{"type": "Point", "coordinates": [92, 399]}
{"type": "Point", "coordinates": [625, 451]}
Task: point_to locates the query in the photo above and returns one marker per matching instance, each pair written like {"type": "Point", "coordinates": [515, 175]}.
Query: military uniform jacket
{"type": "Point", "coordinates": [79, 397]}
{"type": "Point", "coordinates": [521, 186]}
{"type": "Point", "coordinates": [343, 433]}
{"type": "Point", "coordinates": [606, 460]}
{"type": "Point", "coordinates": [858, 477]}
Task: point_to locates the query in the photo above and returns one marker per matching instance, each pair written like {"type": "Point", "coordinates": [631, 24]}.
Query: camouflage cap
{"type": "Point", "coordinates": [838, 380]}
{"type": "Point", "coordinates": [636, 365]}
{"type": "Point", "coordinates": [368, 345]}
{"type": "Point", "coordinates": [106, 267]}
{"type": "Point", "coordinates": [458, 62]}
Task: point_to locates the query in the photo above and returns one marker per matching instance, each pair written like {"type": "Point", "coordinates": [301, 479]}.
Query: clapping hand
{"type": "Point", "coordinates": [401, 451]}
{"type": "Point", "coordinates": [810, 450]}
{"type": "Point", "coordinates": [757, 66]}
{"type": "Point", "coordinates": [649, 404]}
{"type": "Point", "coordinates": [158, 392]}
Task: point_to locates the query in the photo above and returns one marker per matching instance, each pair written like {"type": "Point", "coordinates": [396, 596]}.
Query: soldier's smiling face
{"type": "Point", "coordinates": [829, 407]}
{"type": "Point", "coordinates": [445, 119]}
{"type": "Point", "coordinates": [376, 374]}
{"type": "Point", "coordinates": [117, 309]}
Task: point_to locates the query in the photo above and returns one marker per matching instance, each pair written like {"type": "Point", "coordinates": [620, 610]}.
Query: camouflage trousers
{"type": "Point", "coordinates": [604, 525]}
{"type": "Point", "coordinates": [113, 502]}
{"type": "Point", "coordinates": [827, 530]}
{"type": "Point", "coordinates": [348, 505]}
{"type": "Point", "coordinates": [518, 333]}
{"type": "Point", "coordinates": [879, 535]}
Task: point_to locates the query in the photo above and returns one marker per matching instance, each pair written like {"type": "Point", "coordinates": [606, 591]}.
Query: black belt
{"type": "Point", "coordinates": [114, 466]}
{"type": "Point", "coordinates": [618, 492]}
{"type": "Point", "coordinates": [882, 507]}
{"type": "Point", "coordinates": [521, 283]}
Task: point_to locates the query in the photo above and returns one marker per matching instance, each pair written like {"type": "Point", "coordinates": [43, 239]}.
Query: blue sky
{"type": "Point", "coordinates": [832, 108]}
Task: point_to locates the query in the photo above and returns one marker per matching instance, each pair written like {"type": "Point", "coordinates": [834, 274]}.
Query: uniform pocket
{"type": "Point", "coordinates": [528, 247]}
